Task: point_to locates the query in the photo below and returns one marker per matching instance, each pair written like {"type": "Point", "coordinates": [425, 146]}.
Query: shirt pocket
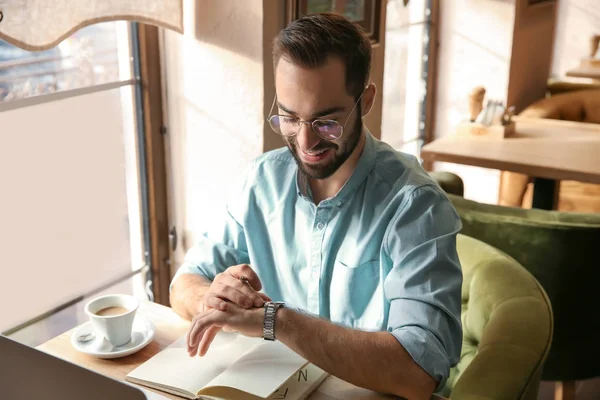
{"type": "Point", "coordinates": [357, 298]}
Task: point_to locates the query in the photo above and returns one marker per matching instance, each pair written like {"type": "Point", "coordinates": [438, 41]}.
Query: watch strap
{"type": "Point", "coordinates": [271, 308]}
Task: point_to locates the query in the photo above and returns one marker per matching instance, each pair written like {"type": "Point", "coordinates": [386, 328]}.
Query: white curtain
{"type": "Point", "coordinates": [42, 24]}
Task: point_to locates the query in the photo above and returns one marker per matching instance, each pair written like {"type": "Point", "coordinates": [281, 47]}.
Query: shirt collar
{"type": "Point", "coordinates": [363, 168]}
{"type": "Point", "coordinates": [302, 186]}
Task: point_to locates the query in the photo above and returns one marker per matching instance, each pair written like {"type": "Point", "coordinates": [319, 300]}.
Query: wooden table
{"type": "Point", "coordinates": [548, 150]}
{"type": "Point", "coordinates": [584, 72]}
{"type": "Point", "coordinates": [170, 327]}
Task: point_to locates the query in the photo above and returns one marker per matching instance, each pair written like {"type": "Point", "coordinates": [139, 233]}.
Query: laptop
{"type": "Point", "coordinates": [28, 373]}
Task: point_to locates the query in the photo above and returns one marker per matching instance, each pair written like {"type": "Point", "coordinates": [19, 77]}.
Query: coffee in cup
{"type": "Point", "coordinates": [111, 311]}
{"type": "Point", "coordinates": [112, 317]}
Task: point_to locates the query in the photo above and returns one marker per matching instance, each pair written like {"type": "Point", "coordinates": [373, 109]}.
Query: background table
{"type": "Point", "coordinates": [584, 72]}
{"type": "Point", "coordinates": [170, 327]}
{"type": "Point", "coordinates": [548, 150]}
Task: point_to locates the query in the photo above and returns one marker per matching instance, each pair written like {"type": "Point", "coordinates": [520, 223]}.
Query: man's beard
{"type": "Point", "coordinates": [343, 150]}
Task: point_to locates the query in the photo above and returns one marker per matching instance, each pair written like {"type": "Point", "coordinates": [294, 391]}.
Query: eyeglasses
{"type": "Point", "coordinates": [327, 129]}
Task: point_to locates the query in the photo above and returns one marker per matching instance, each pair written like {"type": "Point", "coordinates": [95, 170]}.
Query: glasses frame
{"type": "Point", "coordinates": [311, 123]}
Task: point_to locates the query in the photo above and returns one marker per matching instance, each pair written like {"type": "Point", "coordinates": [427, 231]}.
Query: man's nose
{"type": "Point", "coordinates": [306, 137]}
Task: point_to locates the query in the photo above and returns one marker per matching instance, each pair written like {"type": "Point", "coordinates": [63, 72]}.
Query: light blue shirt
{"type": "Point", "coordinates": [379, 255]}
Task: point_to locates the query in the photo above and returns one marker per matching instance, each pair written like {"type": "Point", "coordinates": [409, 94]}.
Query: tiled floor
{"type": "Point", "coordinates": [68, 318]}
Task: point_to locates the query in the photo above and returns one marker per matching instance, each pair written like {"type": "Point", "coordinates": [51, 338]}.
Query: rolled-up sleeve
{"type": "Point", "coordinates": [424, 284]}
{"type": "Point", "coordinates": [221, 245]}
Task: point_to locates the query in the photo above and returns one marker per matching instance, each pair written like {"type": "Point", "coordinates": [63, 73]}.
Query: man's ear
{"type": "Point", "coordinates": [368, 99]}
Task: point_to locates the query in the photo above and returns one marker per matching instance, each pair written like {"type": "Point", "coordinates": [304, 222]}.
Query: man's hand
{"type": "Point", "coordinates": [227, 287]}
{"type": "Point", "coordinates": [229, 304]}
{"type": "Point", "coordinates": [207, 324]}
{"type": "Point", "coordinates": [373, 360]}
{"type": "Point", "coordinates": [193, 294]}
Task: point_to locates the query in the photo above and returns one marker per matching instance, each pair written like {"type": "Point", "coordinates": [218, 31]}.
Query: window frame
{"type": "Point", "coordinates": [39, 68]}
{"type": "Point", "coordinates": [429, 74]}
{"type": "Point", "coordinates": [370, 23]}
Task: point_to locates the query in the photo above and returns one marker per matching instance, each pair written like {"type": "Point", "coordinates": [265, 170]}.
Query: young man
{"type": "Point", "coordinates": [354, 237]}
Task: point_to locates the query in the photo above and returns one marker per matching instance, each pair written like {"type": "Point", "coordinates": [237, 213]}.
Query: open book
{"type": "Point", "coordinates": [235, 367]}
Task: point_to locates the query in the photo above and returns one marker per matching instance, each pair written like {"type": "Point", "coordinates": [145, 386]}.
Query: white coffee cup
{"type": "Point", "coordinates": [112, 317]}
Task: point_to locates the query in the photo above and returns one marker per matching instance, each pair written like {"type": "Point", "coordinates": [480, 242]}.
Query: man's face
{"type": "Point", "coordinates": [318, 93]}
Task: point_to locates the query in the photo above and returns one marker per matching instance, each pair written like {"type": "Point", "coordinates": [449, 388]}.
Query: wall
{"type": "Point", "coordinates": [505, 46]}
{"type": "Point", "coordinates": [475, 49]}
{"type": "Point", "coordinates": [577, 21]}
{"type": "Point", "coordinates": [218, 85]}
{"type": "Point", "coordinates": [373, 120]}
{"type": "Point", "coordinates": [274, 19]}
{"type": "Point", "coordinates": [531, 56]}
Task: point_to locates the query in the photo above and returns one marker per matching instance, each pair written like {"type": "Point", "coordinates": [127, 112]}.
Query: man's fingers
{"type": "Point", "coordinates": [246, 271]}
{"type": "Point", "coordinates": [265, 297]}
{"type": "Point", "coordinates": [207, 339]}
{"type": "Point", "coordinates": [237, 294]}
{"type": "Point", "coordinates": [192, 341]}
{"type": "Point", "coordinates": [207, 324]}
{"type": "Point", "coordinates": [188, 337]}
{"type": "Point", "coordinates": [213, 301]}
{"type": "Point", "coordinates": [252, 295]}
{"type": "Point", "coordinates": [193, 336]}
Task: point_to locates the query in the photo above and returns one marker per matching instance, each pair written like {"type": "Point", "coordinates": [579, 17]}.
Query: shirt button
{"type": "Point", "coordinates": [339, 204]}
{"type": "Point", "coordinates": [320, 225]}
{"type": "Point", "coordinates": [315, 274]}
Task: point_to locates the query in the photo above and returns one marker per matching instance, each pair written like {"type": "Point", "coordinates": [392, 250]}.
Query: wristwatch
{"type": "Point", "coordinates": [271, 308]}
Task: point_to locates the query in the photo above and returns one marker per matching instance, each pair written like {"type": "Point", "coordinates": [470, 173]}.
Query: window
{"type": "Point", "coordinates": [71, 169]}
{"type": "Point", "coordinates": [361, 12]}
{"type": "Point", "coordinates": [408, 74]}
{"type": "Point", "coordinates": [89, 57]}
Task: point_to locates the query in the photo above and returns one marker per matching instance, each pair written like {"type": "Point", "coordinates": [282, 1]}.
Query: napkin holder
{"type": "Point", "coordinates": [493, 121]}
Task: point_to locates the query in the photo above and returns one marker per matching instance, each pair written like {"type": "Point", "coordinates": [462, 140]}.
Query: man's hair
{"type": "Point", "coordinates": [309, 41]}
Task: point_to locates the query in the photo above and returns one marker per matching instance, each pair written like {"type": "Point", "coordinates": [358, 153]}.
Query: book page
{"type": "Point", "coordinates": [261, 371]}
{"type": "Point", "coordinates": [301, 385]}
{"type": "Point", "coordinates": [298, 387]}
{"type": "Point", "coordinates": [174, 368]}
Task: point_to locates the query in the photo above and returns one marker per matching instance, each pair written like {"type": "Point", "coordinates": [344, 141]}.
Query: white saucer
{"type": "Point", "coordinates": [143, 333]}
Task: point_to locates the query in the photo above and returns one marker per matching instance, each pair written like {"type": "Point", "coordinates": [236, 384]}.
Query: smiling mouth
{"type": "Point", "coordinates": [314, 153]}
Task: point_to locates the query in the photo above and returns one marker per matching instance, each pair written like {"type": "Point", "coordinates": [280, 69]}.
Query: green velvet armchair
{"type": "Point", "coordinates": [449, 182]}
{"type": "Point", "coordinates": [507, 327]}
{"type": "Point", "coordinates": [561, 250]}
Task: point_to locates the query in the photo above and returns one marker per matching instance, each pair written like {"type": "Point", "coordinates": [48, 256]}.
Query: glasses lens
{"type": "Point", "coordinates": [327, 129]}
{"type": "Point", "coordinates": [286, 126]}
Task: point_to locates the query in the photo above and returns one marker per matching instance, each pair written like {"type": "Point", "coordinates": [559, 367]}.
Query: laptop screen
{"type": "Point", "coordinates": [27, 373]}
